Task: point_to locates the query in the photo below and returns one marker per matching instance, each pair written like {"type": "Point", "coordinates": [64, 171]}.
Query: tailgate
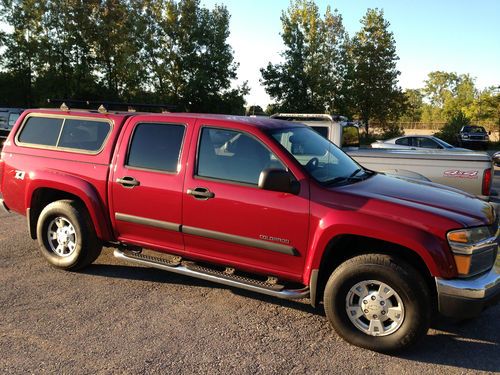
{"type": "Point", "coordinates": [464, 171]}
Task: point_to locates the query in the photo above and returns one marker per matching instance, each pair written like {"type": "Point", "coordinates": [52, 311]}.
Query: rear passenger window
{"type": "Point", "coordinates": [156, 146]}
{"type": "Point", "coordinates": [69, 133]}
{"type": "Point", "coordinates": [41, 131]}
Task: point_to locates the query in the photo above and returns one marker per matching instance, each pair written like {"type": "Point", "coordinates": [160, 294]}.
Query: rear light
{"type": "Point", "coordinates": [486, 182]}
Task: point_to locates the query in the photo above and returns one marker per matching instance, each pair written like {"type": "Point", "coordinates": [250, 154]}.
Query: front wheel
{"type": "Point", "coordinates": [378, 302]}
{"type": "Point", "coordinates": [66, 235]}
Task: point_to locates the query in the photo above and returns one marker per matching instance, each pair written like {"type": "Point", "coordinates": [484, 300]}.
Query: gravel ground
{"type": "Point", "coordinates": [114, 317]}
{"type": "Point", "coordinates": [117, 318]}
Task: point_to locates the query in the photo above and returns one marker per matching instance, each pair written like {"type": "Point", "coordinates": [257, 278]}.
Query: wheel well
{"type": "Point", "coordinates": [345, 247]}
{"type": "Point", "coordinates": [40, 199]}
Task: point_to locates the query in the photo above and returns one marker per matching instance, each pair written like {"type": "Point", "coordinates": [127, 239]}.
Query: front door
{"type": "Point", "coordinates": [147, 183]}
{"type": "Point", "coordinates": [228, 219]}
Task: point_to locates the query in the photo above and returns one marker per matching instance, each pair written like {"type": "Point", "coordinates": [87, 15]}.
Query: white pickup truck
{"type": "Point", "coordinates": [471, 172]}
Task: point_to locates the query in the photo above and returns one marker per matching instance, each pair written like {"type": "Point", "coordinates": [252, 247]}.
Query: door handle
{"type": "Point", "coordinates": [201, 193]}
{"type": "Point", "coordinates": [128, 182]}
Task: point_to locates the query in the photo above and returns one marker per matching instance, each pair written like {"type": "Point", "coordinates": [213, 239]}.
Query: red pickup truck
{"type": "Point", "coordinates": [262, 204]}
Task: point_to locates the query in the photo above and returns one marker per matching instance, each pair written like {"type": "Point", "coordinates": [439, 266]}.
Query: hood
{"type": "Point", "coordinates": [452, 204]}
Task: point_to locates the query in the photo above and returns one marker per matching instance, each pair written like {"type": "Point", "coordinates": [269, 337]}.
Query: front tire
{"type": "Point", "coordinates": [378, 302]}
{"type": "Point", "coordinates": [66, 235]}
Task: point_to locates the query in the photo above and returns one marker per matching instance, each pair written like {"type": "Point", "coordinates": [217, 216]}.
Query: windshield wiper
{"type": "Point", "coordinates": [351, 177]}
{"type": "Point", "coordinates": [353, 174]}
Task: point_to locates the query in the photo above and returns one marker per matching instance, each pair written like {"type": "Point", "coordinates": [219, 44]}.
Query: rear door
{"type": "Point", "coordinates": [147, 182]}
{"type": "Point", "coordinates": [228, 219]}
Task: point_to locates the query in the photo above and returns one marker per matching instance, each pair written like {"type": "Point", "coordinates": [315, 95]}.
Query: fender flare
{"type": "Point", "coordinates": [423, 244]}
{"type": "Point", "coordinates": [78, 187]}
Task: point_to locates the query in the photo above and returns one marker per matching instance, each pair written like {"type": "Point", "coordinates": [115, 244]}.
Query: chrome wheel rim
{"type": "Point", "coordinates": [375, 308]}
{"type": "Point", "coordinates": [61, 237]}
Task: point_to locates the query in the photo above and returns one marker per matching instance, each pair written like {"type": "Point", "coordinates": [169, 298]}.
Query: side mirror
{"type": "Point", "coordinates": [278, 180]}
{"type": "Point", "coordinates": [496, 158]}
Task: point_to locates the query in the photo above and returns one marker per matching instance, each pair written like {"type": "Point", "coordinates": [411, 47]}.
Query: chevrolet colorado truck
{"type": "Point", "coordinates": [468, 171]}
{"type": "Point", "coordinates": [266, 205]}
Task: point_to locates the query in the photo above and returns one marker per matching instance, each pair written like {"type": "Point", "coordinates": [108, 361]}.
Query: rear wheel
{"type": "Point", "coordinates": [66, 235]}
{"type": "Point", "coordinates": [378, 302]}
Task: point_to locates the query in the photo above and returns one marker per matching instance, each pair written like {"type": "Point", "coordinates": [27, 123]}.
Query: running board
{"type": "Point", "coordinates": [200, 272]}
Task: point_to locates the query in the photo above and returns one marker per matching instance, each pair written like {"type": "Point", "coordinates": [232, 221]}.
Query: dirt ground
{"type": "Point", "coordinates": [118, 318]}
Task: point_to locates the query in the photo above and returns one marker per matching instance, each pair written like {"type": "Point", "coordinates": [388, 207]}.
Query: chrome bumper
{"type": "Point", "coordinates": [3, 207]}
{"type": "Point", "coordinates": [466, 298]}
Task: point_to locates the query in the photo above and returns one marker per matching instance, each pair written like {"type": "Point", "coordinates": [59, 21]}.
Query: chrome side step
{"type": "Point", "coordinates": [200, 272]}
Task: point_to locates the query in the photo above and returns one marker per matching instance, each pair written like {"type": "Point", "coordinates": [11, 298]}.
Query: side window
{"type": "Point", "coordinates": [41, 131]}
{"type": "Point", "coordinates": [156, 146]}
{"type": "Point", "coordinates": [12, 119]}
{"type": "Point", "coordinates": [83, 134]}
{"type": "Point", "coordinates": [427, 143]}
{"type": "Point", "coordinates": [350, 136]}
{"type": "Point", "coordinates": [76, 134]}
{"type": "Point", "coordinates": [323, 130]}
{"type": "Point", "coordinates": [233, 156]}
{"type": "Point", "coordinates": [402, 141]}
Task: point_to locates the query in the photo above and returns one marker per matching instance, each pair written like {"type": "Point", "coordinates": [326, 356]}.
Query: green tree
{"type": "Point", "coordinates": [68, 69]}
{"type": "Point", "coordinates": [22, 46]}
{"type": "Point", "coordinates": [312, 75]}
{"type": "Point", "coordinates": [375, 87]}
{"type": "Point", "coordinates": [414, 106]}
{"type": "Point", "coordinates": [172, 51]}
{"type": "Point", "coordinates": [450, 130]}
{"type": "Point", "coordinates": [449, 94]}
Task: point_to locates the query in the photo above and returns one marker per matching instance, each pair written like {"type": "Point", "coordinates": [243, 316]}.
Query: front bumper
{"type": "Point", "coordinates": [466, 298]}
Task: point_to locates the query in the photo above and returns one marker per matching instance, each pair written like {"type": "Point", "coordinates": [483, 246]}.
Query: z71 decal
{"type": "Point", "coordinates": [461, 174]}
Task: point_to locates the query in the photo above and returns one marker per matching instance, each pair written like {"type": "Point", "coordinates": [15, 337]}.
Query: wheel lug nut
{"type": "Point", "coordinates": [365, 301]}
{"type": "Point", "coordinates": [373, 298]}
{"type": "Point", "coordinates": [374, 316]}
{"type": "Point", "coordinates": [383, 312]}
{"type": "Point", "coordinates": [382, 303]}
{"type": "Point", "coordinates": [366, 311]}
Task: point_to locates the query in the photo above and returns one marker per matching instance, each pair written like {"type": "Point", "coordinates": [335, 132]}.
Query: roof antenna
{"type": "Point", "coordinates": [64, 107]}
{"type": "Point", "coordinates": [102, 109]}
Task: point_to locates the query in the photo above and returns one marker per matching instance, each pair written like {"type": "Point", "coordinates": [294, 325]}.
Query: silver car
{"type": "Point", "coordinates": [415, 142]}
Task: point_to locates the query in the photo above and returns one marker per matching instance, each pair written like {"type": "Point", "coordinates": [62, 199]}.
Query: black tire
{"type": "Point", "coordinates": [402, 278]}
{"type": "Point", "coordinates": [86, 247]}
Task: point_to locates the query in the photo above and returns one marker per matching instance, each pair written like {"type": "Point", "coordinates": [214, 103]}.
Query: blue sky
{"type": "Point", "coordinates": [461, 36]}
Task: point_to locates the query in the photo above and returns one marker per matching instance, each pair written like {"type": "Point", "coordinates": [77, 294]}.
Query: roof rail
{"type": "Point", "coordinates": [104, 106]}
{"type": "Point", "coordinates": [310, 116]}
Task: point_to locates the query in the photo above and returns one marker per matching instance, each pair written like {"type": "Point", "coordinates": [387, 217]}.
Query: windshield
{"type": "Point", "coordinates": [474, 129]}
{"type": "Point", "coordinates": [324, 161]}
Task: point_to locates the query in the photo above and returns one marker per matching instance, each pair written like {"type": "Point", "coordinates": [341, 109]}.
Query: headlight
{"type": "Point", "coordinates": [474, 249]}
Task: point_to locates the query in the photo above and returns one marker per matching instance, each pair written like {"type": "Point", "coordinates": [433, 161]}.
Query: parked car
{"type": "Point", "coordinates": [415, 142]}
{"type": "Point", "coordinates": [473, 136]}
{"type": "Point", "coordinates": [8, 117]}
{"type": "Point", "coordinates": [266, 205]}
{"type": "Point", "coordinates": [469, 171]}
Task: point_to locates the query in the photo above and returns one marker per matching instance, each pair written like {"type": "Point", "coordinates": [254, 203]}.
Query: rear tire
{"type": "Point", "coordinates": [378, 302]}
{"type": "Point", "coordinates": [66, 235]}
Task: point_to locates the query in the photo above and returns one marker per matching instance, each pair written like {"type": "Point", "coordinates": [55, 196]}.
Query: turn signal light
{"type": "Point", "coordinates": [458, 236]}
{"type": "Point", "coordinates": [463, 263]}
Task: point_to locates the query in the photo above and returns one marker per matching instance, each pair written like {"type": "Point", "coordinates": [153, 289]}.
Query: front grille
{"type": "Point", "coordinates": [483, 260]}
